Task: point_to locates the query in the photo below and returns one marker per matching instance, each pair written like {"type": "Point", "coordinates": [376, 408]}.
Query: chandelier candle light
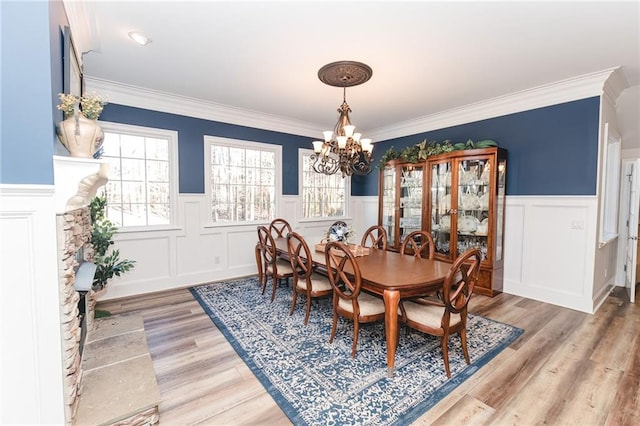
{"type": "Point", "coordinates": [342, 149]}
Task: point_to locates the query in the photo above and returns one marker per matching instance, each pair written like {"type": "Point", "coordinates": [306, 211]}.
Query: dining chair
{"type": "Point", "coordinates": [305, 280]}
{"type": "Point", "coordinates": [348, 301]}
{"type": "Point", "coordinates": [279, 228]}
{"type": "Point", "coordinates": [274, 267]}
{"type": "Point", "coordinates": [441, 319]}
{"type": "Point", "coordinates": [376, 236]}
{"type": "Point", "coordinates": [419, 244]}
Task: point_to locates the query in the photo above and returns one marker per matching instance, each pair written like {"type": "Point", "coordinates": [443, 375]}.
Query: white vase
{"type": "Point", "coordinates": [82, 137]}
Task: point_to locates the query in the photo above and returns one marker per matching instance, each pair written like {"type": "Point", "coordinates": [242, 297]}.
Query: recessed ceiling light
{"type": "Point", "coordinates": [139, 38]}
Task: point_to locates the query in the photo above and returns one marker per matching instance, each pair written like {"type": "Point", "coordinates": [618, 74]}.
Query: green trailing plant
{"type": "Point", "coordinates": [475, 145]}
{"type": "Point", "coordinates": [106, 258]}
{"type": "Point", "coordinates": [425, 149]}
{"type": "Point", "coordinates": [390, 154]}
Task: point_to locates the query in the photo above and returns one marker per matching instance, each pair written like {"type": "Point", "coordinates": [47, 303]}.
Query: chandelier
{"type": "Point", "coordinates": [342, 149]}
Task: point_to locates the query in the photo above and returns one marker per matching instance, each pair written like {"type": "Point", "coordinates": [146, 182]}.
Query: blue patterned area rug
{"type": "Point", "coordinates": [317, 383]}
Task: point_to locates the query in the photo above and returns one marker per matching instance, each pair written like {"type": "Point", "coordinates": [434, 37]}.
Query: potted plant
{"type": "Point", "coordinates": [79, 132]}
{"type": "Point", "coordinates": [108, 262]}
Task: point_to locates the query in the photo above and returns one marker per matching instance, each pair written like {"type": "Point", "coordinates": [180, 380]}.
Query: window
{"type": "Point", "coordinates": [321, 195]}
{"type": "Point", "coordinates": [142, 186]}
{"type": "Point", "coordinates": [243, 180]}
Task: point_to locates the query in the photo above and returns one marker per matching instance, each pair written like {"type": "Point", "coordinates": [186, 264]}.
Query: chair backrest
{"type": "Point", "coordinates": [299, 256]}
{"type": "Point", "coordinates": [343, 271]}
{"type": "Point", "coordinates": [279, 228]}
{"type": "Point", "coordinates": [267, 245]}
{"type": "Point", "coordinates": [418, 243]}
{"type": "Point", "coordinates": [376, 237]}
{"type": "Point", "coordinates": [460, 281]}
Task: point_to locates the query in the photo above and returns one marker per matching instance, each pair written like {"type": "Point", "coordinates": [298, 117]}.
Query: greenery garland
{"type": "Point", "coordinates": [423, 150]}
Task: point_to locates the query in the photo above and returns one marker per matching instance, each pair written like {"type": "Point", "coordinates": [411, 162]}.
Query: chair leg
{"type": "Point", "coordinates": [259, 265]}
{"type": "Point", "coordinates": [264, 282]}
{"type": "Point", "coordinates": [293, 301]}
{"type": "Point", "coordinates": [275, 285]}
{"type": "Point", "coordinates": [306, 318]}
{"type": "Point", "coordinates": [333, 327]}
{"type": "Point", "coordinates": [445, 354]}
{"type": "Point", "coordinates": [356, 332]}
{"type": "Point", "coordinates": [463, 339]}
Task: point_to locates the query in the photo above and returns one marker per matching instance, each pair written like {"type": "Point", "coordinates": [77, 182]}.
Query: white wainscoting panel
{"type": "Point", "coordinates": [196, 253]}
{"type": "Point", "coordinates": [153, 256]}
{"type": "Point", "coordinates": [513, 243]}
{"type": "Point", "coordinates": [203, 253]}
{"type": "Point", "coordinates": [31, 362]}
{"type": "Point", "coordinates": [290, 209]}
{"type": "Point", "coordinates": [365, 214]}
{"type": "Point", "coordinates": [549, 249]}
{"type": "Point", "coordinates": [241, 254]}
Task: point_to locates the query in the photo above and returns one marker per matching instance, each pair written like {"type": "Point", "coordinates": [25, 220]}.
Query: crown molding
{"type": "Point", "coordinates": [80, 20]}
{"type": "Point", "coordinates": [568, 90]}
{"type": "Point", "coordinates": [134, 96]}
{"type": "Point", "coordinates": [615, 85]}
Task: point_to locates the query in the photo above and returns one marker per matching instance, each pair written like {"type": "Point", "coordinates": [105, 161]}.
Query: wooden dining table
{"type": "Point", "coordinates": [392, 276]}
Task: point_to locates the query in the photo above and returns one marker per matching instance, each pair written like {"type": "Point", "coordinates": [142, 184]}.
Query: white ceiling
{"type": "Point", "coordinates": [427, 57]}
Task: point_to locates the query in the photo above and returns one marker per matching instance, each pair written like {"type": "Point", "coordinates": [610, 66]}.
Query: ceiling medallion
{"type": "Point", "coordinates": [342, 149]}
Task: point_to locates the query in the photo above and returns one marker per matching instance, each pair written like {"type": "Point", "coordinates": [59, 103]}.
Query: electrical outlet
{"type": "Point", "coordinates": [216, 260]}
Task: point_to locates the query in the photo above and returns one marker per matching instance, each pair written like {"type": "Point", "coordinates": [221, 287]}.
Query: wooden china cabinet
{"type": "Point", "coordinates": [402, 198]}
{"type": "Point", "coordinates": [461, 203]}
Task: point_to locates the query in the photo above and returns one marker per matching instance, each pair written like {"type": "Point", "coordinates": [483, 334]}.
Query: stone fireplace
{"type": "Point", "coordinates": [108, 372]}
{"type": "Point", "coordinates": [76, 183]}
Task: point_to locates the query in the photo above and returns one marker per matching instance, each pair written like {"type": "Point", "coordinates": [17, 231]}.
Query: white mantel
{"type": "Point", "coordinates": [76, 181]}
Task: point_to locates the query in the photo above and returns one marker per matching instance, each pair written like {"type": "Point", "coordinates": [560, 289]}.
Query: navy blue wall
{"type": "Point", "coordinates": [552, 150]}
{"type": "Point", "coordinates": [31, 77]}
{"type": "Point", "coordinates": [191, 132]}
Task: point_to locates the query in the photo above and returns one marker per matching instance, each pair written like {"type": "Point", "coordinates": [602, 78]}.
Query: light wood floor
{"type": "Point", "coordinates": [568, 368]}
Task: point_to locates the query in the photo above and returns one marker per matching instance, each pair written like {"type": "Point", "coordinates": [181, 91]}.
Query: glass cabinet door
{"type": "Point", "coordinates": [501, 181]}
{"type": "Point", "coordinates": [441, 208]}
{"type": "Point", "coordinates": [388, 194]}
{"type": "Point", "coordinates": [411, 181]}
{"type": "Point", "coordinates": [474, 200]}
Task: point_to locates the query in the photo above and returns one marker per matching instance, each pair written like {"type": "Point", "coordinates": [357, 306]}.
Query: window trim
{"type": "Point", "coordinates": [239, 143]}
{"type": "Point", "coordinates": [347, 189]}
{"type": "Point", "coordinates": [610, 186]}
{"type": "Point", "coordinates": [172, 137]}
